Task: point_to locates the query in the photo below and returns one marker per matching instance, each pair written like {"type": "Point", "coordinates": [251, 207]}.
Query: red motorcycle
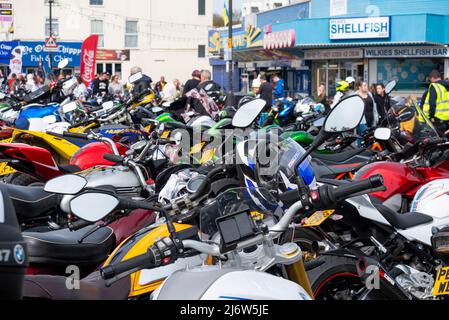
{"type": "Point", "coordinates": [38, 165]}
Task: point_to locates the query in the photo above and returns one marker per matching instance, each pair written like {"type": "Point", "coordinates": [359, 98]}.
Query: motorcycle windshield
{"type": "Point", "coordinates": [413, 125]}
{"type": "Point", "coordinates": [258, 201]}
{"type": "Point", "coordinates": [289, 161]}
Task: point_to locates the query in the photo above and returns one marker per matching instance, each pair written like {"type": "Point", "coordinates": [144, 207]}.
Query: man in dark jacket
{"type": "Point", "coordinates": [192, 83]}
{"type": "Point", "coordinates": [101, 85]}
{"type": "Point", "coordinates": [266, 91]}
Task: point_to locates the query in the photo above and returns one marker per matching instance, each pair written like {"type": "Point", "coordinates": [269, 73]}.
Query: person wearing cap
{"type": "Point", "coordinates": [256, 86]}
{"type": "Point", "coordinates": [192, 83]}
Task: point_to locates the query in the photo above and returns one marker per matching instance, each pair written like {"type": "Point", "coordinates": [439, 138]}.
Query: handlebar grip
{"type": "Point", "coordinates": [146, 260]}
{"type": "Point", "coordinates": [79, 224]}
{"type": "Point", "coordinates": [346, 191]}
{"type": "Point", "coordinates": [178, 125]}
{"type": "Point", "coordinates": [76, 135]}
{"type": "Point", "coordinates": [134, 205]}
{"type": "Point", "coordinates": [113, 158]}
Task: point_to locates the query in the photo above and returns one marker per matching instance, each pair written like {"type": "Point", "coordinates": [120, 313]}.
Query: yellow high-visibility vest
{"type": "Point", "coordinates": [442, 109]}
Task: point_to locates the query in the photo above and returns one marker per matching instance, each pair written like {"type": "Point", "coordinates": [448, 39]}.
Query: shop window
{"type": "Point", "coordinates": [201, 51]}
{"type": "Point", "coordinates": [201, 7]}
{"type": "Point", "coordinates": [254, 9]}
{"type": "Point", "coordinates": [96, 27]}
{"type": "Point", "coordinates": [100, 68]}
{"type": "Point", "coordinates": [131, 36]}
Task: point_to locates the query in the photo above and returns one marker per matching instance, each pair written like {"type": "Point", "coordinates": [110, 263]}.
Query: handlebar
{"type": "Point", "coordinates": [74, 135]}
{"type": "Point", "coordinates": [92, 136]}
{"type": "Point", "coordinates": [79, 224]}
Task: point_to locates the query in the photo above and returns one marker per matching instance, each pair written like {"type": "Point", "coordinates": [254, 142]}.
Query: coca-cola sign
{"type": "Point", "coordinates": [88, 59]}
{"type": "Point", "coordinates": [279, 39]}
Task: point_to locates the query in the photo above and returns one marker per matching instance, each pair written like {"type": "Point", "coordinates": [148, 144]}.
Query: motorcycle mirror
{"type": "Point", "coordinates": [70, 107]}
{"type": "Point", "coordinates": [108, 105]}
{"type": "Point", "coordinates": [390, 86]}
{"type": "Point", "coordinates": [345, 116]}
{"type": "Point", "coordinates": [135, 77]}
{"type": "Point", "coordinates": [166, 104]}
{"type": "Point", "coordinates": [382, 134]}
{"type": "Point", "coordinates": [2, 95]}
{"type": "Point", "coordinates": [49, 119]}
{"type": "Point", "coordinates": [63, 63]}
{"type": "Point", "coordinates": [68, 184]}
{"type": "Point", "coordinates": [93, 207]}
{"type": "Point", "coordinates": [248, 113]}
{"type": "Point", "coordinates": [157, 109]}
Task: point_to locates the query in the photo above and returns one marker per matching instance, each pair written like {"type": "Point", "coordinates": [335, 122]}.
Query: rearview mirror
{"type": "Point", "coordinates": [345, 116]}
{"type": "Point", "coordinates": [157, 109]}
{"type": "Point", "coordinates": [390, 86]}
{"type": "Point", "coordinates": [248, 113]}
{"type": "Point", "coordinates": [63, 63]}
{"type": "Point", "coordinates": [70, 107]}
{"type": "Point", "coordinates": [93, 207]}
{"type": "Point", "coordinates": [108, 105]}
{"type": "Point", "coordinates": [68, 184]}
{"type": "Point", "coordinates": [382, 134]}
{"type": "Point", "coordinates": [135, 77]}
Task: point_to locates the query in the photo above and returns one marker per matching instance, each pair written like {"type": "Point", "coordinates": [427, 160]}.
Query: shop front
{"type": "Point", "coordinates": [111, 61]}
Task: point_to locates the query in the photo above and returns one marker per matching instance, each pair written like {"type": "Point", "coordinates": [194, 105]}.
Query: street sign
{"type": "Point", "coordinates": [51, 45]}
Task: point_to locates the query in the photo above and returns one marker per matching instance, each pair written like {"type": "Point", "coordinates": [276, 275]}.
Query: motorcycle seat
{"type": "Point", "coordinates": [31, 202]}
{"type": "Point", "coordinates": [91, 288]}
{"type": "Point", "coordinates": [338, 157]}
{"type": "Point", "coordinates": [62, 247]}
{"type": "Point", "coordinates": [69, 168]}
{"type": "Point", "coordinates": [403, 221]}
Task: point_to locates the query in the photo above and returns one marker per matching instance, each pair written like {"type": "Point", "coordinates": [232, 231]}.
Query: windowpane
{"type": "Point", "coordinates": [96, 27]}
{"type": "Point", "coordinates": [201, 51]}
{"type": "Point", "coordinates": [100, 68]}
{"type": "Point", "coordinates": [131, 26]}
{"type": "Point", "coordinates": [96, 2]}
{"type": "Point", "coordinates": [201, 7]}
{"type": "Point", "coordinates": [131, 36]}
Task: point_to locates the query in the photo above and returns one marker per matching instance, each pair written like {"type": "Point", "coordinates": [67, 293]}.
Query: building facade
{"type": "Point", "coordinates": [327, 40]}
{"type": "Point", "coordinates": [164, 37]}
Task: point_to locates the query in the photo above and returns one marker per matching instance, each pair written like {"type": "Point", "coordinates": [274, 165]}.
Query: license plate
{"type": "Point", "coordinates": [317, 218]}
{"type": "Point", "coordinates": [10, 140]}
{"type": "Point", "coordinates": [441, 286]}
{"type": "Point", "coordinates": [197, 148]}
{"type": "Point", "coordinates": [5, 169]}
{"type": "Point", "coordinates": [165, 134]}
{"type": "Point", "coordinates": [208, 156]}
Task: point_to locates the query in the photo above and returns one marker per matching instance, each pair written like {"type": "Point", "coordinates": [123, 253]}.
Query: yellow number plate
{"type": "Point", "coordinates": [5, 169]}
{"type": "Point", "coordinates": [317, 218]}
{"type": "Point", "coordinates": [165, 134]}
{"type": "Point", "coordinates": [10, 140]}
{"type": "Point", "coordinates": [441, 286]}
{"type": "Point", "coordinates": [208, 156]}
{"type": "Point", "coordinates": [197, 148]}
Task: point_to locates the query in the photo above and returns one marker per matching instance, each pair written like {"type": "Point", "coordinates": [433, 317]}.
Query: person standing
{"type": "Point", "coordinates": [12, 83]}
{"type": "Point", "coordinates": [279, 87]}
{"type": "Point", "coordinates": [370, 116]}
{"type": "Point", "coordinates": [322, 97]}
{"type": "Point", "coordinates": [116, 88]}
{"type": "Point", "coordinates": [160, 85]}
{"type": "Point", "coordinates": [192, 83]}
{"type": "Point", "coordinates": [436, 105]}
{"type": "Point", "coordinates": [170, 92]}
{"type": "Point", "coordinates": [382, 101]}
{"type": "Point", "coordinates": [80, 91]}
{"type": "Point", "coordinates": [266, 91]}
{"type": "Point", "coordinates": [100, 85]}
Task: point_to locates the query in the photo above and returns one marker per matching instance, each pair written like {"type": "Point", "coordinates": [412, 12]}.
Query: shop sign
{"type": "Point", "coordinates": [241, 39]}
{"type": "Point", "coordinates": [359, 28]}
{"type": "Point", "coordinates": [333, 54]}
{"type": "Point", "coordinates": [113, 55]}
{"type": "Point", "coordinates": [407, 52]}
{"type": "Point", "coordinates": [279, 39]}
{"type": "Point", "coordinates": [6, 11]}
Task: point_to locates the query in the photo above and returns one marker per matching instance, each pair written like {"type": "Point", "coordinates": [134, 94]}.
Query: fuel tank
{"type": "Point", "coordinates": [399, 178]}
{"type": "Point", "coordinates": [92, 154]}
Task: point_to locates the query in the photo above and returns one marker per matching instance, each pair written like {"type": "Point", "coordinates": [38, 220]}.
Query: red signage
{"type": "Point", "coordinates": [88, 59]}
{"type": "Point", "coordinates": [113, 55]}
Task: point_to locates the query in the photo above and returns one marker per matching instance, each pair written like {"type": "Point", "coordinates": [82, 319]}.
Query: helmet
{"type": "Point", "coordinates": [342, 86]}
{"type": "Point", "coordinates": [259, 169]}
{"type": "Point", "coordinates": [320, 108]}
{"type": "Point", "coordinates": [350, 80]}
{"type": "Point", "coordinates": [431, 199]}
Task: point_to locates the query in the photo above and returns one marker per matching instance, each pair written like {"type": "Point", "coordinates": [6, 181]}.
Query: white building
{"type": "Point", "coordinates": [254, 6]}
{"type": "Point", "coordinates": [164, 37]}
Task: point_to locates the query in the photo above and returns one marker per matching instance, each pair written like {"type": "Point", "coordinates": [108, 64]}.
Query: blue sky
{"type": "Point", "coordinates": [218, 5]}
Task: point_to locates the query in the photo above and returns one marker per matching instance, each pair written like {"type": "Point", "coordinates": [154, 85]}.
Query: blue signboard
{"type": "Point", "coordinates": [31, 53]}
